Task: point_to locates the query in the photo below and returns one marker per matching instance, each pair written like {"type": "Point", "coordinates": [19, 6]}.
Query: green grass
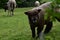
{"type": "Point", "coordinates": [17, 27]}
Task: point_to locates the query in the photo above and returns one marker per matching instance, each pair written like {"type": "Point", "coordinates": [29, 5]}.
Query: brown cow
{"type": "Point", "coordinates": [36, 19]}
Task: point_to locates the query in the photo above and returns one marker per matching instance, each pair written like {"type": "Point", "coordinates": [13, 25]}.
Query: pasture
{"type": "Point", "coordinates": [17, 27]}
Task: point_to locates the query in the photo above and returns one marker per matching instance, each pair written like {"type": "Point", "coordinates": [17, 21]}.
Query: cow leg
{"type": "Point", "coordinates": [58, 19]}
{"type": "Point", "coordinates": [12, 12]}
{"type": "Point", "coordinates": [5, 10]}
{"type": "Point", "coordinates": [39, 30]}
{"type": "Point", "coordinates": [13, 5]}
{"type": "Point", "coordinates": [40, 25]}
{"type": "Point", "coordinates": [48, 27]}
{"type": "Point", "coordinates": [8, 12]}
{"type": "Point", "coordinates": [33, 31]}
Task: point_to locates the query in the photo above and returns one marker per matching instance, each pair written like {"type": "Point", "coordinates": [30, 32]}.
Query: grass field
{"type": "Point", "coordinates": [17, 27]}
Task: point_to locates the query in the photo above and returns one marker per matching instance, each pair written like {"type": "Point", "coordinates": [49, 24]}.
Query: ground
{"type": "Point", "coordinates": [17, 27]}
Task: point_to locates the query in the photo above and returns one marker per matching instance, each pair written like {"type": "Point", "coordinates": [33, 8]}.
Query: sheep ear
{"type": "Point", "coordinates": [39, 10]}
{"type": "Point", "coordinates": [26, 13]}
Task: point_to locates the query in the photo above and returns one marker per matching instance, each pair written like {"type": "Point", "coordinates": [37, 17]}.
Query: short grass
{"type": "Point", "coordinates": [17, 27]}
